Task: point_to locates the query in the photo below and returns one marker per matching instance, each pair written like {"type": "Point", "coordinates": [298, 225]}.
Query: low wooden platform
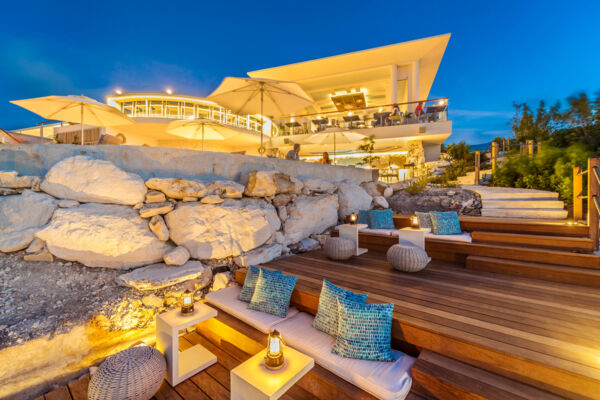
{"type": "Point", "coordinates": [543, 334]}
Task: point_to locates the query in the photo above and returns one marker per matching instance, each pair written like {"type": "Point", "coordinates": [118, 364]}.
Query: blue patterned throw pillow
{"type": "Point", "coordinates": [381, 219]}
{"type": "Point", "coordinates": [250, 282]}
{"type": "Point", "coordinates": [365, 331]}
{"type": "Point", "coordinates": [424, 220]}
{"type": "Point", "coordinates": [445, 223]}
{"type": "Point", "coordinates": [326, 319]}
{"type": "Point", "coordinates": [272, 294]}
{"type": "Point", "coordinates": [363, 217]}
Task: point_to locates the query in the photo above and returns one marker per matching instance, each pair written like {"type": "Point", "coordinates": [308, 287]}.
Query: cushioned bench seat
{"type": "Point", "coordinates": [384, 380]}
{"type": "Point", "coordinates": [463, 237]}
{"type": "Point", "coordinates": [228, 300]}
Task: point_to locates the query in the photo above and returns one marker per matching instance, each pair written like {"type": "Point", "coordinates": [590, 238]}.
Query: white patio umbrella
{"type": "Point", "coordinates": [203, 129]}
{"type": "Point", "coordinates": [334, 137]}
{"type": "Point", "coordinates": [75, 109]}
{"type": "Point", "coordinates": [260, 96]}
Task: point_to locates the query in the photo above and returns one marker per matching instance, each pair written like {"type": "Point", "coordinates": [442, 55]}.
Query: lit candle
{"type": "Point", "coordinates": [414, 221]}
{"type": "Point", "coordinates": [353, 218]}
{"type": "Point", "coordinates": [187, 302]}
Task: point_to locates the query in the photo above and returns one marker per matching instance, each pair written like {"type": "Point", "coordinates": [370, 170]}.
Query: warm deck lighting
{"type": "Point", "coordinates": [169, 90]}
{"type": "Point", "coordinates": [414, 221]}
{"type": "Point", "coordinates": [380, 109]}
{"type": "Point", "coordinates": [187, 302]}
{"type": "Point", "coordinates": [274, 359]}
{"type": "Point", "coordinates": [118, 91]}
{"type": "Point", "coordinates": [353, 218]}
{"type": "Point", "coordinates": [441, 102]}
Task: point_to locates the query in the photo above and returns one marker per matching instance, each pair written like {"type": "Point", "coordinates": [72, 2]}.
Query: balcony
{"type": "Point", "coordinates": [416, 112]}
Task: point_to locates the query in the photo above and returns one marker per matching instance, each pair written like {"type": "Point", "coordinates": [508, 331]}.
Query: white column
{"type": "Point", "coordinates": [394, 83]}
{"type": "Point", "coordinates": [413, 84]}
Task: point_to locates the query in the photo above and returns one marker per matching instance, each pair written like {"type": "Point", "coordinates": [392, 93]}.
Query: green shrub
{"type": "Point", "coordinates": [417, 185]}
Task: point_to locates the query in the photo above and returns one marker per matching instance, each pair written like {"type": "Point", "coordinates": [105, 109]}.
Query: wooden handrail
{"type": "Point", "coordinates": [592, 197]}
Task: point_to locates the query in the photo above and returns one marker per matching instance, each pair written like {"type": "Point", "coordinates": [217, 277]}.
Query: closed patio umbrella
{"type": "Point", "coordinates": [75, 109]}
{"type": "Point", "coordinates": [260, 96]}
{"type": "Point", "coordinates": [203, 129]}
{"type": "Point", "coordinates": [335, 136]}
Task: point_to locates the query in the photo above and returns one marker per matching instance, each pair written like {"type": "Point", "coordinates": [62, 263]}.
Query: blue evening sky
{"type": "Point", "coordinates": [499, 52]}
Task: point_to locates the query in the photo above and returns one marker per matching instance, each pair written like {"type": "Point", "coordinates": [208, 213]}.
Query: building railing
{"type": "Point", "coordinates": [592, 196]}
{"type": "Point", "coordinates": [413, 112]}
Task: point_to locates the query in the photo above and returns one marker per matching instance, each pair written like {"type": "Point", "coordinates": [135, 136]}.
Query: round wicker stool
{"type": "Point", "coordinates": [338, 248]}
{"type": "Point", "coordinates": [132, 374]}
{"type": "Point", "coordinates": [407, 257]}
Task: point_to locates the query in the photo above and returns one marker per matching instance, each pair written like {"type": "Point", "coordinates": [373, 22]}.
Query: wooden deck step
{"type": "Point", "coordinates": [512, 252]}
{"type": "Point", "coordinates": [448, 379]}
{"type": "Point", "coordinates": [557, 242]}
{"type": "Point", "coordinates": [554, 273]}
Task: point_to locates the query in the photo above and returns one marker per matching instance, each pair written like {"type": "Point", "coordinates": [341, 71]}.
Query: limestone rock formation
{"type": "Point", "coordinates": [158, 226]}
{"type": "Point", "coordinates": [178, 256]}
{"type": "Point", "coordinates": [352, 198]}
{"type": "Point", "coordinates": [219, 231]}
{"type": "Point", "coordinates": [11, 180]}
{"type": "Point", "coordinates": [89, 180]}
{"type": "Point", "coordinates": [176, 188]}
{"type": "Point", "coordinates": [36, 246]}
{"type": "Point", "coordinates": [68, 203]}
{"type": "Point", "coordinates": [221, 281]}
{"type": "Point", "coordinates": [154, 196]}
{"type": "Point", "coordinates": [160, 275]}
{"type": "Point", "coordinates": [259, 256]}
{"type": "Point", "coordinates": [380, 202]}
{"type": "Point", "coordinates": [308, 215]}
{"type": "Point", "coordinates": [21, 217]}
{"type": "Point", "coordinates": [270, 183]}
{"type": "Point", "coordinates": [316, 185]}
{"type": "Point", "coordinates": [227, 189]}
{"type": "Point", "coordinates": [152, 209]}
{"type": "Point", "coordinates": [102, 235]}
{"type": "Point", "coordinates": [211, 199]}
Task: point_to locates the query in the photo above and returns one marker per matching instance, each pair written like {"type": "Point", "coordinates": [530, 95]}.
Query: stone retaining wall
{"type": "Point", "coordinates": [149, 162]}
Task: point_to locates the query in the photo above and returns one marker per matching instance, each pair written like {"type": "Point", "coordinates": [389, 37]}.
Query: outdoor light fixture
{"type": "Point", "coordinates": [169, 91]}
{"type": "Point", "coordinates": [118, 91]}
{"type": "Point", "coordinates": [353, 218]}
{"type": "Point", "coordinates": [380, 109]}
{"type": "Point", "coordinates": [414, 221]}
{"type": "Point", "coordinates": [187, 302]}
{"type": "Point", "coordinates": [274, 359]}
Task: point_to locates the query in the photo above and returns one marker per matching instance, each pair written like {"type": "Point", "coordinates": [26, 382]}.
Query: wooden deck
{"type": "Point", "coordinates": [541, 333]}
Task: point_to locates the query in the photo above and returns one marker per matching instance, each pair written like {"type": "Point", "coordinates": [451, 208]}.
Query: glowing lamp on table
{"type": "Point", "coordinates": [187, 302]}
{"type": "Point", "coordinates": [274, 359]}
{"type": "Point", "coordinates": [353, 218]}
{"type": "Point", "coordinates": [414, 221]}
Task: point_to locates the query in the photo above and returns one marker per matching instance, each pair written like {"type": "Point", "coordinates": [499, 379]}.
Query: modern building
{"type": "Point", "coordinates": [381, 93]}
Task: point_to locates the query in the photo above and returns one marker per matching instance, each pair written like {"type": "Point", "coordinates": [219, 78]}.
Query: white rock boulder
{"type": "Point", "coordinates": [218, 231]}
{"type": "Point", "coordinates": [151, 209]}
{"type": "Point", "coordinates": [227, 189]}
{"type": "Point", "coordinates": [211, 199]}
{"type": "Point", "coordinates": [308, 215]}
{"type": "Point", "coordinates": [178, 256]}
{"type": "Point", "coordinates": [158, 226]}
{"type": "Point", "coordinates": [21, 216]}
{"type": "Point", "coordinates": [270, 183]}
{"type": "Point", "coordinates": [102, 235]}
{"type": "Point", "coordinates": [259, 256]}
{"type": "Point", "coordinates": [221, 281]}
{"type": "Point", "coordinates": [10, 179]}
{"type": "Point", "coordinates": [380, 202]}
{"type": "Point", "coordinates": [68, 203]}
{"type": "Point", "coordinates": [176, 188]}
{"type": "Point", "coordinates": [316, 185]}
{"type": "Point", "coordinates": [352, 198]}
{"type": "Point", "coordinates": [89, 180]}
{"type": "Point", "coordinates": [160, 275]}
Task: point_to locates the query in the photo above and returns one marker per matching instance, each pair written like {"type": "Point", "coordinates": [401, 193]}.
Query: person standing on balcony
{"type": "Point", "coordinates": [294, 153]}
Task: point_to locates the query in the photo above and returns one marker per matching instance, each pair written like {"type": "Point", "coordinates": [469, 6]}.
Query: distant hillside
{"type": "Point", "coordinates": [481, 146]}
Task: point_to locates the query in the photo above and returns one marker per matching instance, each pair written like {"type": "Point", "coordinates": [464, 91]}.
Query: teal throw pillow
{"type": "Point", "coordinates": [365, 331]}
{"type": "Point", "coordinates": [445, 223]}
{"type": "Point", "coordinates": [381, 219]}
{"type": "Point", "coordinates": [326, 319]}
{"type": "Point", "coordinates": [250, 282]}
{"type": "Point", "coordinates": [272, 293]}
{"type": "Point", "coordinates": [424, 220]}
{"type": "Point", "coordinates": [363, 217]}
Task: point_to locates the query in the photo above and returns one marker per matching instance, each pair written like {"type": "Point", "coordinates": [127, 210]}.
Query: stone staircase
{"type": "Point", "coordinates": [519, 203]}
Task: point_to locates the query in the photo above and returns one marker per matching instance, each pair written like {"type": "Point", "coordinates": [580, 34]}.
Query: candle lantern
{"type": "Point", "coordinates": [187, 302]}
{"type": "Point", "coordinates": [353, 218]}
{"type": "Point", "coordinates": [414, 221]}
{"type": "Point", "coordinates": [274, 359]}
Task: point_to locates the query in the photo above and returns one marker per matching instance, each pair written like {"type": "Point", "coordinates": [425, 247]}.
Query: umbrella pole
{"type": "Point", "coordinates": [81, 124]}
{"type": "Point", "coordinates": [262, 89]}
{"type": "Point", "coordinates": [202, 137]}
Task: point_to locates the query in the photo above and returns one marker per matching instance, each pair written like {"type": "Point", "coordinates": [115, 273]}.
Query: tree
{"type": "Point", "coordinates": [368, 147]}
{"type": "Point", "coordinates": [458, 151]}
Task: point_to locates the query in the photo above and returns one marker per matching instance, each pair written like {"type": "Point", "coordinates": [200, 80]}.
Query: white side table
{"type": "Point", "coordinates": [415, 236]}
{"type": "Point", "coordinates": [350, 231]}
{"type": "Point", "coordinates": [251, 380]}
{"type": "Point", "coordinates": [182, 365]}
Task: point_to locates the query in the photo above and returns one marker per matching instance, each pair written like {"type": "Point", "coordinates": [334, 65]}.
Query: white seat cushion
{"type": "Point", "coordinates": [228, 300]}
{"type": "Point", "coordinates": [384, 380]}
{"type": "Point", "coordinates": [382, 232]}
{"type": "Point", "coordinates": [463, 237]}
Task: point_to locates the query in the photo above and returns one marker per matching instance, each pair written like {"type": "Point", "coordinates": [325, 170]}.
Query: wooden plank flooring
{"type": "Point", "coordinates": [544, 333]}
